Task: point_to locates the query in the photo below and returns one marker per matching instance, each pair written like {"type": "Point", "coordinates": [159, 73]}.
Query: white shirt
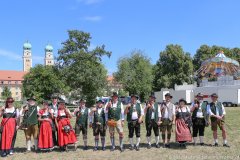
{"type": "Point", "coordinates": [22, 113]}
{"type": "Point", "coordinates": [217, 111]}
{"type": "Point", "coordinates": [135, 114]}
{"type": "Point", "coordinates": [114, 105]}
{"type": "Point", "coordinates": [11, 110]}
{"type": "Point", "coordinates": [169, 115]}
{"type": "Point", "coordinates": [199, 112]}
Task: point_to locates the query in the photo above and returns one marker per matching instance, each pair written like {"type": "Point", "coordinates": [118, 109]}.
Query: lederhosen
{"type": "Point", "coordinates": [214, 121]}
{"type": "Point", "coordinates": [152, 123]}
{"type": "Point", "coordinates": [81, 121]}
{"type": "Point", "coordinates": [199, 123]}
{"type": "Point", "coordinates": [133, 124]}
{"type": "Point", "coordinates": [99, 123]}
{"type": "Point", "coordinates": [54, 128]}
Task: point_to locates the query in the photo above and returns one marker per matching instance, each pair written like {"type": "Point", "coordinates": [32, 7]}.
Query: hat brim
{"type": "Point", "coordinates": [183, 101]}
{"type": "Point", "coordinates": [29, 99]}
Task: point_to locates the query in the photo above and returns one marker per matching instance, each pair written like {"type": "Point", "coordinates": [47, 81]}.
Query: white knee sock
{"type": "Point", "coordinates": [224, 141]}
{"type": "Point", "coordinates": [157, 139]}
{"type": "Point", "coordinates": [195, 140]}
{"type": "Point", "coordinates": [201, 139]}
{"type": "Point", "coordinates": [131, 141]}
{"type": "Point", "coordinates": [36, 144]}
{"type": "Point", "coordinates": [149, 140]}
{"type": "Point", "coordinates": [28, 142]}
{"type": "Point", "coordinates": [138, 141]}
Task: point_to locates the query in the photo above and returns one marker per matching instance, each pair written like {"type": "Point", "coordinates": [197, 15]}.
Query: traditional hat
{"type": "Point", "coordinates": [182, 100]}
{"type": "Point", "coordinates": [200, 95]}
{"type": "Point", "coordinates": [83, 100]}
{"type": "Point", "coordinates": [134, 95]}
{"type": "Point", "coordinates": [214, 95]}
{"type": "Point", "coordinates": [61, 101]}
{"type": "Point", "coordinates": [100, 100]}
{"type": "Point", "coordinates": [115, 94]}
{"type": "Point", "coordinates": [31, 98]}
{"type": "Point", "coordinates": [152, 96]}
{"type": "Point", "coordinates": [168, 95]}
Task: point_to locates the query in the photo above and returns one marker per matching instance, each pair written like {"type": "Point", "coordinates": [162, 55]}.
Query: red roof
{"type": "Point", "coordinates": [6, 75]}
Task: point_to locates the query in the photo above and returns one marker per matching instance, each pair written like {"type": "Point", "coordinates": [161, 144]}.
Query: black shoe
{"type": "Point", "coordinates": [137, 148]}
{"type": "Point", "coordinates": [184, 145]}
{"type": "Point", "coordinates": [4, 154]}
{"type": "Point", "coordinates": [167, 145]}
{"type": "Point", "coordinates": [226, 145]}
{"type": "Point", "coordinates": [95, 149]}
{"type": "Point", "coordinates": [202, 144]}
{"type": "Point", "coordinates": [215, 145]}
{"type": "Point", "coordinates": [131, 148]}
{"type": "Point", "coordinates": [112, 149]}
{"type": "Point", "coordinates": [149, 146]}
{"type": "Point", "coordinates": [85, 148]}
{"type": "Point", "coordinates": [157, 146]}
{"type": "Point", "coordinates": [103, 148]}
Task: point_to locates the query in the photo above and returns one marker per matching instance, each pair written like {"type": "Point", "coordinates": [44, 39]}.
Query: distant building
{"type": "Point", "coordinates": [13, 79]}
{"type": "Point", "coordinates": [112, 85]}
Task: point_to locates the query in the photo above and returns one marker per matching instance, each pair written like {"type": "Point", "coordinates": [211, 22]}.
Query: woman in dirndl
{"type": "Point", "coordinates": [66, 134]}
{"type": "Point", "coordinates": [9, 126]}
{"type": "Point", "coordinates": [183, 124]}
{"type": "Point", "coordinates": [45, 116]}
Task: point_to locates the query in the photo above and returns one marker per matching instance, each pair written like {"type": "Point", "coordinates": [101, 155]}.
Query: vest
{"type": "Point", "coordinates": [214, 110]}
{"type": "Point", "coordinates": [99, 117]}
{"type": "Point", "coordinates": [114, 113]}
{"type": "Point", "coordinates": [149, 114]}
{"type": "Point", "coordinates": [129, 115]}
{"type": "Point", "coordinates": [204, 110]}
{"type": "Point", "coordinates": [31, 115]}
{"type": "Point", "coordinates": [83, 118]}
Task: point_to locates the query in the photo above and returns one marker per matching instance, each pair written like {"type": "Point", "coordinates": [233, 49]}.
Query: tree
{"type": "Point", "coordinates": [135, 74]}
{"type": "Point", "coordinates": [43, 81]}
{"type": "Point", "coordinates": [80, 67]}
{"type": "Point", "coordinates": [6, 93]}
{"type": "Point", "coordinates": [206, 52]}
{"type": "Point", "coordinates": [173, 67]}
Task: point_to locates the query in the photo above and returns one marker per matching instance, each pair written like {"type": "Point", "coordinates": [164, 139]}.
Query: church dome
{"type": "Point", "coordinates": [27, 45]}
{"type": "Point", "coordinates": [49, 48]}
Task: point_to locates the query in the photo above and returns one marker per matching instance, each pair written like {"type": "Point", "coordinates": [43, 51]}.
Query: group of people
{"type": "Point", "coordinates": [50, 126]}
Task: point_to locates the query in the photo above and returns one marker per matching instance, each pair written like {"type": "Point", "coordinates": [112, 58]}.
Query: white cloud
{"type": "Point", "coordinates": [93, 18]}
{"type": "Point", "coordinates": [10, 55]}
{"type": "Point", "coordinates": [89, 2]}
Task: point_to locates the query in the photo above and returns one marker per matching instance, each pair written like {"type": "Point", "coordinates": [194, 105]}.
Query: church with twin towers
{"type": "Point", "coordinates": [27, 56]}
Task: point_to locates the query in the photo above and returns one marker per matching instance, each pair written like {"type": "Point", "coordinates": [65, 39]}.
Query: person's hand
{"type": "Point", "coordinates": [173, 122]}
{"type": "Point", "coordinates": [17, 127]}
{"type": "Point", "coordinates": [159, 123]}
{"type": "Point", "coordinates": [148, 105]}
{"type": "Point", "coordinates": [140, 120]}
{"type": "Point", "coordinates": [196, 106]}
{"type": "Point", "coordinates": [94, 109]}
{"type": "Point", "coordinates": [109, 104]}
{"type": "Point", "coordinates": [90, 125]}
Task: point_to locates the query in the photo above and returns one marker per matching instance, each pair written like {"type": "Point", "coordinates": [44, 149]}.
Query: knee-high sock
{"type": "Point", "coordinates": [201, 139]}
{"type": "Point", "coordinates": [121, 142]}
{"type": "Point", "coordinates": [85, 140]}
{"type": "Point", "coordinates": [112, 141]}
{"type": "Point", "coordinates": [138, 141]}
{"type": "Point", "coordinates": [131, 141]}
{"type": "Point", "coordinates": [157, 139]}
{"type": "Point", "coordinates": [28, 142]}
{"type": "Point", "coordinates": [149, 140]}
{"type": "Point", "coordinates": [103, 141]}
{"type": "Point", "coordinates": [36, 144]}
{"type": "Point", "coordinates": [195, 140]}
{"type": "Point", "coordinates": [96, 142]}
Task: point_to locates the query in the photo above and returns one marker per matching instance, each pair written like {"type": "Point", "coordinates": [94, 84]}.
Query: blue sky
{"type": "Point", "coordinates": [122, 25]}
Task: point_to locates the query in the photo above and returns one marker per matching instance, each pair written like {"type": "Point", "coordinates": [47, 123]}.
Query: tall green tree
{"type": "Point", "coordinates": [135, 74]}
{"type": "Point", "coordinates": [205, 52]}
{"type": "Point", "coordinates": [43, 81]}
{"type": "Point", "coordinates": [6, 93]}
{"type": "Point", "coordinates": [173, 67]}
{"type": "Point", "coordinates": [81, 68]}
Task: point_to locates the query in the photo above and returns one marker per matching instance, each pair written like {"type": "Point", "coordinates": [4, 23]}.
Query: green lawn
{"type": "Point", "coordinates": [206, 152]}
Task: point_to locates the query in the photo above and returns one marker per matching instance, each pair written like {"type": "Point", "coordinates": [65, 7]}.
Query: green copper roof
{"type": "Point", "coordinates": [27, 45]}
{"type": "Point", "coordinates": [48, 47]}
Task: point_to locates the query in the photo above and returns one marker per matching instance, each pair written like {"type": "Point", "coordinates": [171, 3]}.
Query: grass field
{"type": "Point", "coordinates": [192, 152]}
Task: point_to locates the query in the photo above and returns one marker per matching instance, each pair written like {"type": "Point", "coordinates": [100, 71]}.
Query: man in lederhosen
{"type": "Point", "coordinates": [98, 123]}
{"type": "Point", "coordinates": [134, 112]}
{"type": "Point", "coordinates": [115, 115]}
{"type": "Point", "coordinates": [199, 118]}
{"type": "Point", "coordinates": [54, 106]}
{"type": "Point", "coordinates": [82, 115]}
{"type": "Point", "coordinates": [152, 120]}
{"type": "Point", "coordinates": [168, 119]}
{"type": "Point", "coordinates": [30, 118]}
{"type": "Point", "coordinates": [217, 114]}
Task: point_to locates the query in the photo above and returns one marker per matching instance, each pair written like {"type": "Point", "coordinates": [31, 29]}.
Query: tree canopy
{"type": "Point", "coordinates": [6, 93]}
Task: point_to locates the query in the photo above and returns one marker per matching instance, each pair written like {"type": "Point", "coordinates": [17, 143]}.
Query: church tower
{"type": "Point", "coordinates": [49, 59]}
{"type": "Point", "coordinates": [27, 56]}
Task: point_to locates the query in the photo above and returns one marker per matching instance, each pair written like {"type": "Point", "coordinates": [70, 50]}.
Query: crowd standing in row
{"type": "Point", "coordinates": [50, 126]}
